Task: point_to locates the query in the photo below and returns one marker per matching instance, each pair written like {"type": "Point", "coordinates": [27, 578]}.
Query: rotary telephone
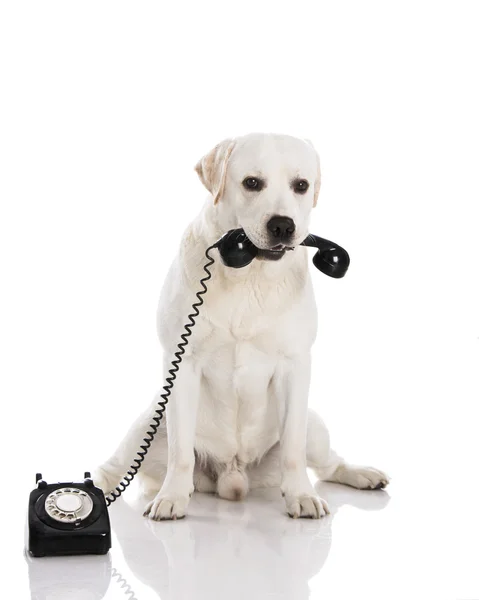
{"type": "Point", "coordinates": [72, 518]}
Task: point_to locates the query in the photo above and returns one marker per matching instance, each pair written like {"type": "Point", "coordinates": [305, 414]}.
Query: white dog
{"type": "Point", "coordinates": [238, 415]}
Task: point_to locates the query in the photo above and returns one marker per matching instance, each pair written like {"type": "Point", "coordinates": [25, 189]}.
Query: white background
{"type": "Point", "coordinates": [105, 109]}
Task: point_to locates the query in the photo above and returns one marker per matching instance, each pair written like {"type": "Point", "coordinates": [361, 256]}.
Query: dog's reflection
{"type": "Point", "coordinates": [236, 550]}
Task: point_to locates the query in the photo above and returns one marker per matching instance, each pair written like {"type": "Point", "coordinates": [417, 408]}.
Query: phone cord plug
{"type": "Point", "coordinates": [175, 366]}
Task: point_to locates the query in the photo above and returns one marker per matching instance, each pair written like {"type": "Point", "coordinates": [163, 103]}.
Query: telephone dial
{"type": "Point", "coordinates": [72, 518]}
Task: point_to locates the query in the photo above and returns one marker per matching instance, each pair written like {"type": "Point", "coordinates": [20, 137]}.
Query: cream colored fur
{"type": "Point", "coordinates": [238, 416]}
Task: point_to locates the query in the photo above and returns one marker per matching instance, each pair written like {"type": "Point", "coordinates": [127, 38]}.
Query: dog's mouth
{"type": "Point", "coordinates": [275, 253]}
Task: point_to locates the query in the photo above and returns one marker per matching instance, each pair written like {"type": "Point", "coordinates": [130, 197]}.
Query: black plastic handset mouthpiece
{"type": "Point", "coordinates": [237, 251]}
{"type": "Point", "coordinates": [330, 258]}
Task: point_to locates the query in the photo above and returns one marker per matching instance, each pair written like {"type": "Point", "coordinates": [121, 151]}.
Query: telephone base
{"type": "Point", "coordinates": [67, 519]}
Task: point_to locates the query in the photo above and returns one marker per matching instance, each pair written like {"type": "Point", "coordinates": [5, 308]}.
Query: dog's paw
{"type": "Point", "coordinates": [363, 478]}
{"type": "Point", "coordinates": [105, 480]}
{"type": "Point", "coordinates": [167, 506]}
{"type": "Point", "coordinates": [308, 506]}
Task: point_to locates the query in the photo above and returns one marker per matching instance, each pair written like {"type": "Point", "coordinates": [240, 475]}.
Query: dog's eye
{"type": "Point", "coordinates": [253, 183]}
{"type": "Point", "coordinates": [300, 186]}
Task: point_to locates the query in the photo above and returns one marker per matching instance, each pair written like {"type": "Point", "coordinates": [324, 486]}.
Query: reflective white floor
{"type": "Point", "coordinates": [367, 546]}
{"type": "Point", "coordinates": [222, 550]}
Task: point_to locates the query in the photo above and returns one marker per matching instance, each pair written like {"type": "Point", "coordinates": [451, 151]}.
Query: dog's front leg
{"type": "Point", "coordinates": [292, 386]}
{"type": "Point", "coordinates": [173, 498]}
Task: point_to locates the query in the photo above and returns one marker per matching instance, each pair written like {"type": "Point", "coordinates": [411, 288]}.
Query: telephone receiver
{"type": "Point", "coordinates": [237, 251]}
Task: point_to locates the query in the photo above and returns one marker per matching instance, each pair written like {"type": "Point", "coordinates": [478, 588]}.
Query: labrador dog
{"type": "Point", "coordinates": [238, 414]}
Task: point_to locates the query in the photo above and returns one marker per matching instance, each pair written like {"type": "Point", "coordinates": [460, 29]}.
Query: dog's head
{"type": "Point", "coordinates": [265, 183]}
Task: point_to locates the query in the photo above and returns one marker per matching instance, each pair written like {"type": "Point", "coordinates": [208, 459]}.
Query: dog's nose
{"type": "Point", "coordinates": [281, 227]}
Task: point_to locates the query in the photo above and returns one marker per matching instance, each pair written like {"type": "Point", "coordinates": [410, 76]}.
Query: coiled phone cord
{"type": "Point", "coordinates": [175, 366]}
{"type": "Point", "coordinates": [123, 583]}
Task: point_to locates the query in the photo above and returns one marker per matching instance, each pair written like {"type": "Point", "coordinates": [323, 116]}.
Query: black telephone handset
{"type": "Point", "coordinates": [237, 251]}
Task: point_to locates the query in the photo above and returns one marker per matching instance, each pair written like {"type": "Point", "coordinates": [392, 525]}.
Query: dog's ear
{"type": "Point", "coordinates": [211, 168]}
{"type": "Point", "coordinates": [317, 181]}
